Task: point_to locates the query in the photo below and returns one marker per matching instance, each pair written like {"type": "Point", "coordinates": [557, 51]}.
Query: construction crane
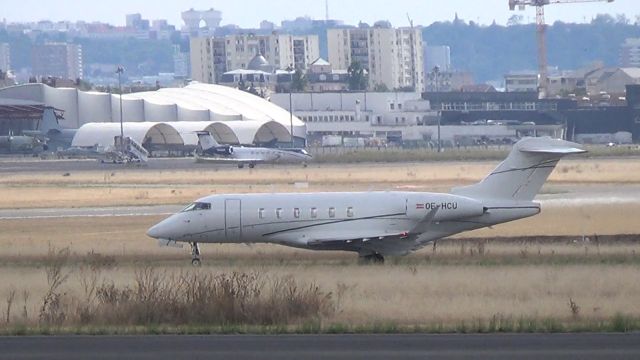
{"type": "Point", "coordinates": [541, 33]}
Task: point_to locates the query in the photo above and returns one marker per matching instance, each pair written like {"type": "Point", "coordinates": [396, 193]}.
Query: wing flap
{"type": "Point", "coordinates": [355, 240]}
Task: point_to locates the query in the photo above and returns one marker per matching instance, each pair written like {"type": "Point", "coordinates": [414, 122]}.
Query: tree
{"type": "Point", "coordinates": [515, 20]}
{"type": "Point", "coordinates": [83, 85]}
{"type": "Point", "coordinates": [299, 81]}
{"type": "Point", "coordinates": [380, 87]}
{"type": "Point", "coordinates": [358, 78]}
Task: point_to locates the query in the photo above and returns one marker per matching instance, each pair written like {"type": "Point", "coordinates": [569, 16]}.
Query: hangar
{"type": "Point", "coordinates": [17, 116]}
{"type": "Point", "coordinates": [153, 136]}
{"type": "Point", "coordinates": [181, 135]}
{"type": "Point", "coordinates": [234, 115]}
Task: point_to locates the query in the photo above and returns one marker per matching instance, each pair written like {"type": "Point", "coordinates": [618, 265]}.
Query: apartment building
{"type": "Point", "coordinates": [392, 56]}
{"type": "Point", "coordinates": [630, 54]}
{"type": "Point", "coordinates": [201, 58]}
{"type": "Point", "coordinates": [60, 60]}
{"type": "Point", "coordinates": [212, 57]}
{"type": "Point", "coordinates": [5, 57]}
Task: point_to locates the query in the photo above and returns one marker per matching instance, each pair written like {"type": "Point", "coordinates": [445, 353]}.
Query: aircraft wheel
{"type": "Point", "coordinates": [251, 166]}
{"type": "Point", "coordinates": [240, 166]}
{"type": "Point", "coordinates": [371, 259]}
{"type": "Point", "coordinates": [195, 253]}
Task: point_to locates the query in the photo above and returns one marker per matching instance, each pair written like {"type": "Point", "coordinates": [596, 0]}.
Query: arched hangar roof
{"type": "Point", "coordinates": [233, 132]}
{"type": "Point", "coordinates": [187, 130]}
{"type": "Point", "coordinates": [103, 134]}
{"type": "Point", "coordinates": [251, 132]}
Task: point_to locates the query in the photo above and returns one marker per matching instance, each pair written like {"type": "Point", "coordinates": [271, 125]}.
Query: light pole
{"type": "Point", "coordinates": [120, 71]}
{"type": "Point", "coordinates": [436, 74]}
{"type": "Point", "coordinates": [290, 70]}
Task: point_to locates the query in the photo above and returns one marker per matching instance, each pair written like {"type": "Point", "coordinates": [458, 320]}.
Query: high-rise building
{"type": "Point", "coordinates": [5, 57]}
{"type": "Point", "coordinates": [59, 60]}
{"type": "Point", "coordinates": [393, 57]}
{"type": "Point", "coordinates": [202, 59]}
{"type": "Point", "coordinates": [630, 54]}
{"type": "Point", "coordinates": [180, 62]}
{"type": "Point", "coordinates": [212, 57]}
{"type": "Point", "coordinates": [135, 21]}
{"type": "Point", "coordinates": [439, 56]}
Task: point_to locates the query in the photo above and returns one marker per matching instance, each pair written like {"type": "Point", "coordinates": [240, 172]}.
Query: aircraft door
{"type": "Point", "coordinates": [232, 220]}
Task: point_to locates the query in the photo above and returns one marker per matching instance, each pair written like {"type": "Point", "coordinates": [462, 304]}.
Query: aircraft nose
{"type": "Point", "coordinates": [158, 231]}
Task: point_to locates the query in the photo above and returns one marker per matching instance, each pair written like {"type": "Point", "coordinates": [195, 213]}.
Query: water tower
{"type": "Point", "coordinates": [192, 19]}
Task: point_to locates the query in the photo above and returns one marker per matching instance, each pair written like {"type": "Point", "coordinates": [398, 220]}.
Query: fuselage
{"type": "Point", "coordinates": [340, 221]}
{"type": "Point", "coordinates": [259, 154]}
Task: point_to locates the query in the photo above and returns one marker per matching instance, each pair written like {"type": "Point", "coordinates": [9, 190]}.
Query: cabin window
{"type": "Point", "coordinates": [332, 212]}
{"type": "Point", "coordinates": [296, 213]}
{"type": "Point", "coordinates": [279, 213]}
{"type": "Point", "coordinates": [261, 213]}
{"type": "Point", "coordinates": [350, 211]}
{"type": "Point", "coordinates": [314, 213]}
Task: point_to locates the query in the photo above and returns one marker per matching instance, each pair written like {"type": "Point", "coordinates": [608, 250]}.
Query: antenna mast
{"type": "Point", "coordinates": [326, 8]}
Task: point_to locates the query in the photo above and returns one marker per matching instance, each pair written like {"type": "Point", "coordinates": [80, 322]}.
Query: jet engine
{"type": "Point", "coordinates": [224, 150]}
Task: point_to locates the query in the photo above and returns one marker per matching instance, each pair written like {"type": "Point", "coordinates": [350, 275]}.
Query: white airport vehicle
{"type": "Point", "coordinates": [373, 224]}
{"type": "Point", "coordinates": [208, 150]}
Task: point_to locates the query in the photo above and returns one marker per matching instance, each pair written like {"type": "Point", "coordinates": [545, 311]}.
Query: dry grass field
{"type": "Point", "coordinates": [404, 295]}
{"type": "Point", "coordinates": [143, 187]}
{"type": "Point", "coordinates": [472, 278]}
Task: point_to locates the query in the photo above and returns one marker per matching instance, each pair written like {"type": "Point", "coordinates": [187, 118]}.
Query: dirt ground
{"type": "Point", "coordinates": [112, 187]}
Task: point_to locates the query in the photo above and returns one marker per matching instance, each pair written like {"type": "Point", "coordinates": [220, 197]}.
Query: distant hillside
{"type": "Point", "coordinates": [487, 51]}
{"type": "Point", "coordinates": [140, 57]}
{"type": "Point", "coordinates": [491, 51]}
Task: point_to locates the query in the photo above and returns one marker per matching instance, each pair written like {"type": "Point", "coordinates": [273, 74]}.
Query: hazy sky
{"type": "Point", "coordinates": [249, 13]}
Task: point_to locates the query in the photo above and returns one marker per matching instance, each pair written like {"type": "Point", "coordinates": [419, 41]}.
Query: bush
{"type": "Point", "coordinates": [198, 298]}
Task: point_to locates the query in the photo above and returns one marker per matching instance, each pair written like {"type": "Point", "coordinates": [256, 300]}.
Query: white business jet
{"type": "Point", "coordinates": [373, 224]}
{"type": "Point", "coordinates": [208, 150]}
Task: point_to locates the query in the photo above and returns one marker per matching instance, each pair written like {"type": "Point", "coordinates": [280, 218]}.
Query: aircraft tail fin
{"type": "Point", "coordinates": [521, 175]}
{"type": "Point", "coordinates": [50, 122]}
{"type": "Point", "coordinates": [206, 141]}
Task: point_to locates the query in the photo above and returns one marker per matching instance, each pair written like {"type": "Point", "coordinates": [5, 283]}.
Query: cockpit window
{"type": "Point", "coordinates": [197, 206]}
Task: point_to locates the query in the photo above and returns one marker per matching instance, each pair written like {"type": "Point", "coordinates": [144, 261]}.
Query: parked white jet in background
{"type": "Point", "coordinates": [374, 224]}
{"type": "Point", "coordinates": [209, 150]}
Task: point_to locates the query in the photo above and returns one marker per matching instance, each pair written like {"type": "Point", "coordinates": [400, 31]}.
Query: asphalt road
{"type": "Point", "coordinates": [116, 211]}
{"type": "Point", "coordinates": [494, 346]}
{"type": "Point", "coordinates": [16, 165]}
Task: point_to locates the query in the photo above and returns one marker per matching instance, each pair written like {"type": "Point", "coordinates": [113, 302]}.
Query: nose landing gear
{"type": "Point", "coordinates": [195, 254]}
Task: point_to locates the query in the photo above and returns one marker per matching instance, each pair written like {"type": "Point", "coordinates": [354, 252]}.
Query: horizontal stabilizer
{"type": "Point", "coordinates": [561, 150]}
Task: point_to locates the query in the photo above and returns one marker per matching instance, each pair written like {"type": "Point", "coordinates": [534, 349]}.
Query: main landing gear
{"type": "Point", "coordinates": [374, 258]}
{"type": "Point", "coordinates": [195, 254]}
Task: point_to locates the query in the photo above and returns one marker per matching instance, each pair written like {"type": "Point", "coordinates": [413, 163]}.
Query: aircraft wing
{"type": "Point", "coordinates": [346, 239]}
{"type": "Point", "coordinates": [221, 160]}
{"type": "Point", "coordinates": [399, 243]}
{"type": "Point", "coordinates": [400, 240]}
